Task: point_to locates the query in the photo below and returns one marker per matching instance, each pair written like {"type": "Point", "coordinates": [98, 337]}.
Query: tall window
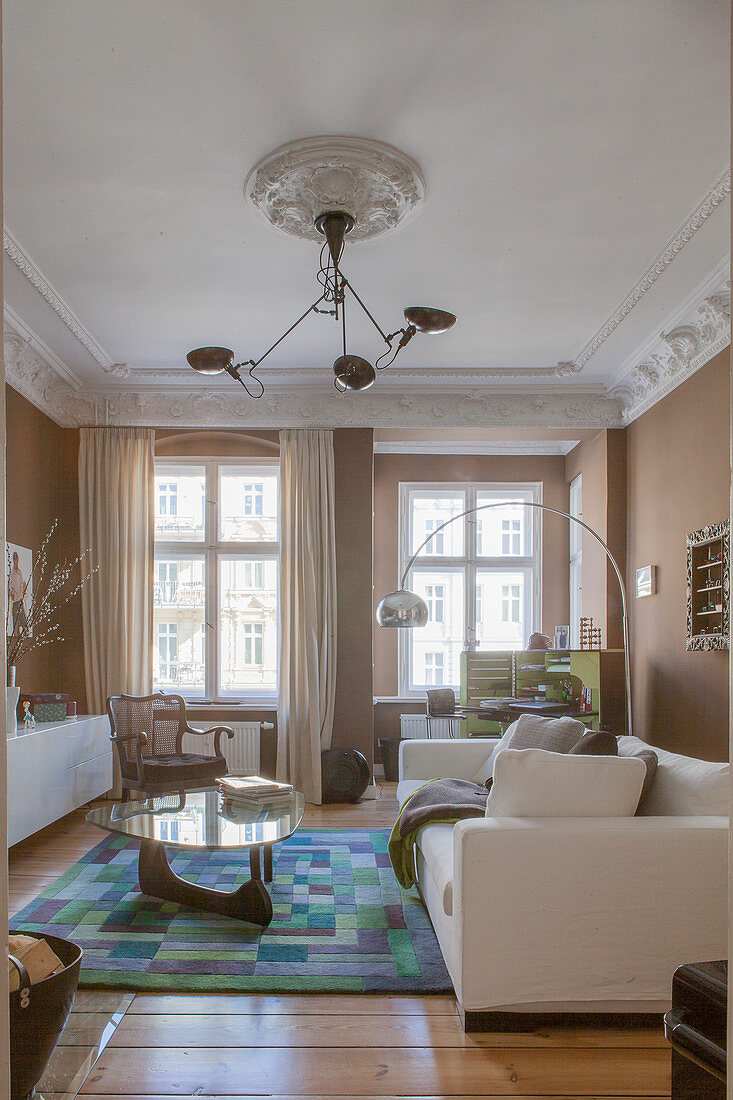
{"type": "Point", "coordinates": [215, 594]}
{"type": "Point", "coordinates": [481, 574]}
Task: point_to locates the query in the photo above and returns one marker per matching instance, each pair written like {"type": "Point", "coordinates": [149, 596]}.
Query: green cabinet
{"type": "Point", "coordinates": [554, 675]}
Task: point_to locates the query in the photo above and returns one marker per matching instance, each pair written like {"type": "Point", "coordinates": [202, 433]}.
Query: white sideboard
{"type": "Point", "coordinates": [54, 769]}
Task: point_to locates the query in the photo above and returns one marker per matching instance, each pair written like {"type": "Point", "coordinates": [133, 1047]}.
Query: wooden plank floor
{"type": "Point", "coordinates": [306, 1047]}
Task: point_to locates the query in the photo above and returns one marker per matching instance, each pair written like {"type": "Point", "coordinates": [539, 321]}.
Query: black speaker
{"type": "Point", "coordinates": [344, 775]}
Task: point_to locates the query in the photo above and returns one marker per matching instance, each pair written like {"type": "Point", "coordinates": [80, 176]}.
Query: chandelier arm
{"type": "Point", "coordinates": [235, 374]}
{"type": "Point", "coordinates": [377, 326]}
{"type": "Point", "coordinates": [287, 333]}
{"type": "Point", "coordinates": [389, 362]}
{"type": "Point", "coordinates": [573, 519]}
{"type": "Point", "coordinates": [343, 321]}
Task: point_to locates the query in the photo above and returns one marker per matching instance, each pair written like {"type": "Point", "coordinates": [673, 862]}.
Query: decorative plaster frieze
{"type": "Point", "coordinates": [18, 327]}
{"type": "Point", "coordinates": [715, 196]}
{"type": "Point", "coordinates": [375, 183]}
{"type": "Point", "coordinates": [35, 276]}
{"type": "Point", "coordinates": [217, 406]}
{"type": "Point", "coordinates": [28, 373]}
{"type": "Point", "coordinates": [676, 354]}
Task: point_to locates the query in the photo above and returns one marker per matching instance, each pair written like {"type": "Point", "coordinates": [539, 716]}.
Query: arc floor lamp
{"type": "Point", "coordinates": [407, 610]}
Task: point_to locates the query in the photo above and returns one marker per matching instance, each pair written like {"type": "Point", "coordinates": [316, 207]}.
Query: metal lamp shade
{"type": "Point", "coordinates": [402, 609]}
{"type": "Point", "coordinates": [211, 360]}
{"type": "Point", "coordinates": [353, 373]}
{"type": "Point", "coordinates": [429, 320]}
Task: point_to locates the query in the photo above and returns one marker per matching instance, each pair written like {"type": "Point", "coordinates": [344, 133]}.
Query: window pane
{"type": "Point", "coordinates": [248, 624]}
{"type": "Point", "coordinates": [436, 649]}
{"type": "Point", "coordinates": [504, 531]}
{"type": "Point", "coordinates": [180, 498]}
{"type": "Point", "coordinates": [430, 508]}
{"type": "Point", "coordinates": [502, 608]}
{"type": "Point", "coordinates": [248, 500]}
{"type": "Point", "coordinates": [179, 641]}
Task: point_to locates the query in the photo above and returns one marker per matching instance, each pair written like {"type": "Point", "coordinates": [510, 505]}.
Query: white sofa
{"type": "Point", "coordinates": [569, 915]}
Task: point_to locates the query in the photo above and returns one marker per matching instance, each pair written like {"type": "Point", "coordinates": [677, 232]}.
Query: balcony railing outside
{"type": "Point", "coordinates": [178, 594]}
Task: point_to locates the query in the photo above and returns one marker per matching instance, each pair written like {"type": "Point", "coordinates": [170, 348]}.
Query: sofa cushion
{"type": "Point", "coordinates": [406, 787]}
{"type": "Point", "coordinates": [683, 786]}
{"type": "Point", "coordinates": [538, 783]}
{"type": "Point", "coordinates": [436, 844]}
{"type": "Point", "coordinates": [552, 734]}
{"type": "Point", "coordinates": [596, 743]}
{"type": "Point", "coordinates": [486, 770]}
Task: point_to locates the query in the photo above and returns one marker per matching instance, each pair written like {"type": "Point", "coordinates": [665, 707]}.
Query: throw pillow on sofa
{"type": "Point", "coordinates": [532, 731]}
{"type": "Point", "coordinates": [683, 785]}
{"type": "Point", "coordinates": [537, 783]}
{"type": "Point", "coordinates": [596, 743]}
{"type": "Point", "coordinates": [552, 734]}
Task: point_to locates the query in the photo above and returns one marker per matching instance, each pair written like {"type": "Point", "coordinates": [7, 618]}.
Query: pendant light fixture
{"type": "Point", "coordinates": [367, 188]}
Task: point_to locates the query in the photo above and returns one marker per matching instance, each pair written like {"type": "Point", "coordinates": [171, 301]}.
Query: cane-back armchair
{"type": "Point", "coordinates": [147, 732]}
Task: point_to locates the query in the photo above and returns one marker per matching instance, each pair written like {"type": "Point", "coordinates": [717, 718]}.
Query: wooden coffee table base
{"type": "Point", "coordinates": [250, 902]}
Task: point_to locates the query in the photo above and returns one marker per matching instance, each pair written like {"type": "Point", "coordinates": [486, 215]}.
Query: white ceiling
{"type": "Point", "coordinates": [564, 145]}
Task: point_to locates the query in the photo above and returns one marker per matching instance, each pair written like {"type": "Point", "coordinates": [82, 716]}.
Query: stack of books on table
{"type": "Point", "coordinates": [252, 792]}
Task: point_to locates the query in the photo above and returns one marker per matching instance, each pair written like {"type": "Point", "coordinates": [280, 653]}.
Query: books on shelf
{"type": "Point", "coordinates": [251, 787]}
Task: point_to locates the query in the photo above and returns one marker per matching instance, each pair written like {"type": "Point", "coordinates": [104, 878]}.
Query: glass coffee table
{"type": "Point", "coordinates": [203, 820]}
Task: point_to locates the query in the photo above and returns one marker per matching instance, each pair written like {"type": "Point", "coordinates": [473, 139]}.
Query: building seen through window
{"type": "Point", "coordinates": [479, 576]}
{"type": "Point", "coordinates": [215, 591]}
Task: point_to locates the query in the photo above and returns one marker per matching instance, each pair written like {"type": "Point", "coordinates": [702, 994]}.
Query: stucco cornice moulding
{"type": "Point", "coordinates": [696, 336]}
{"type": "Point", "coordinates": [18, 327]}
{"type": "Point", "coordinates": [28, 372]}
{"type": "Point", "coordinates": [35, 276]}
{"type": "Point", "coordinates": [526, 447]}
{"type": "Point", "coordinates": [31, 375]}
{"type": "Point", "coordinates": [393, 377]}
{"type": "Point", "coordinates": [712, 200]}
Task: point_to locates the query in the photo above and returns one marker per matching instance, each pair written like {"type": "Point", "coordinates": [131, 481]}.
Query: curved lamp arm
{"type": "Point", "coordinates": [412, 620]}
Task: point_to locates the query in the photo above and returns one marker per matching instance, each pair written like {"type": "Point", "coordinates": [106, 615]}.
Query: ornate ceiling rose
{"type": "Point", "coordinates": [375, 183]}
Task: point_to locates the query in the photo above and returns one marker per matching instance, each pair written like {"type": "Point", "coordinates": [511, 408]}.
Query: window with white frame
{"type": "Point", "coordinates": [479, 576]}
{"type": "Point", "coordinates": [215, 591]}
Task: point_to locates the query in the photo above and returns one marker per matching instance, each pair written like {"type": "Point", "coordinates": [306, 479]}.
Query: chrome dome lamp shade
{"type": "Point", "coordinates": [211, 360]}
{"type": "Point", "coordinates": [351, 372]}
{"type": "Point", "coordinates": [402, 609]}
{"type": "Point", "coordinates": [428, 320]}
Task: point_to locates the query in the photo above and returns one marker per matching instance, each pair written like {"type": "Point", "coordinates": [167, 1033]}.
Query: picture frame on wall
{"type": "Point", "coordinates": [646, 581]}
{"type": "Point", "coordinates": [19, 590]}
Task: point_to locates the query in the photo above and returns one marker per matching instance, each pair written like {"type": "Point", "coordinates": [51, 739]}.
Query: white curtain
{"type": "Point", "coordinates": [307, 686]}
{"type": "Point", "coordinates": [116, 468]}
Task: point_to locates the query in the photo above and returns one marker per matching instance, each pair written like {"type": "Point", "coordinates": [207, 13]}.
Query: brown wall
{"type": "Point", "coordinates": [389, 471]}
{"type": "Point", "coordinates": [678, 481]}
{"type": "Point", "coordinates": [602, 463]}
{"type": "Point", "coordinates": [353, 717]}
{"type": "Point", "coordinates": [42, 485]}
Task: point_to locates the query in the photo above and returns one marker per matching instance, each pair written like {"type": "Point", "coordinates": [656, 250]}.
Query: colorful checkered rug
{"type": "Point", "coordinates": [341, 923]}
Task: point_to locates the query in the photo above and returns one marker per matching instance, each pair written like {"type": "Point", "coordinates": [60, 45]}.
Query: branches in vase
{"type": "Point", "coordinates": [50, 593]}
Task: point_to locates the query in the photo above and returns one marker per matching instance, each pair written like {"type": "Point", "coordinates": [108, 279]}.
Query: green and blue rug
{"type": "Point", "coordinates": [341, 923]}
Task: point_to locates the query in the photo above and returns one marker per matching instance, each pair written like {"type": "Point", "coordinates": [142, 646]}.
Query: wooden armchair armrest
{"type": "Point", "coordinates": [140, 738]}
{"type": "Point", "coordinates": [217, 732]}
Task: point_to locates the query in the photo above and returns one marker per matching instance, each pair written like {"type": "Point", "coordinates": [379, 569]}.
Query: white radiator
{"type": "Point", "coordinates": [242, 752]}
{"type": "Point", "coordinates": [416, 725]}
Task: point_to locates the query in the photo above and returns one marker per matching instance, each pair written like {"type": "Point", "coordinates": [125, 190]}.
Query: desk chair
{"type": "Point", "coordinates": [442, 705]}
